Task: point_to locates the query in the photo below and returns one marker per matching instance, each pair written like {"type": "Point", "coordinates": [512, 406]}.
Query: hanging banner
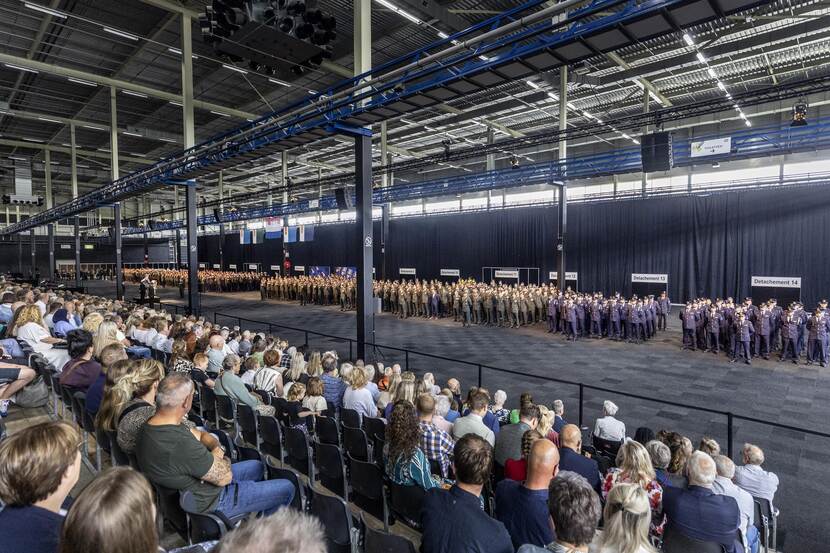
{"type": "Point", "coordinates": [450, 272]}
{"type": "Point", "coordinates": [406, 271]}
{"type": "Point", "coordinates": [506, 274]}
{"type": "Point", "coordinates": [346, 272]}
{"type": "Point", "coordinates": [66, 247]}
{"type": "Point", "coordinates": [319, 270]}
{"type": "Point", "coordinates": [712, 147]}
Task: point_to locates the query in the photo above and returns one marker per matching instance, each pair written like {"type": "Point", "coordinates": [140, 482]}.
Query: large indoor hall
{"type": "Point", "coordinates": [382, 276]}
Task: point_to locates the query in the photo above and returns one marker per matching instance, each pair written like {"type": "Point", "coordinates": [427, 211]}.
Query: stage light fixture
{"type": "Point", "coordinates": [799, 114]}
{"type": "Point", "coordinates": [514, 161]}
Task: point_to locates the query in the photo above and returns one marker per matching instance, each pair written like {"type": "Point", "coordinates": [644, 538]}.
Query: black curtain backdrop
{"type": "Point", "coordinates": [708, 245]}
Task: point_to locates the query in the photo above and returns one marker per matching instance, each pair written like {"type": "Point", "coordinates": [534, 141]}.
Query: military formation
{"type": "Point", "coordinates": [744, 331]}
{"type": "Point", "coordinates": [209, 281]}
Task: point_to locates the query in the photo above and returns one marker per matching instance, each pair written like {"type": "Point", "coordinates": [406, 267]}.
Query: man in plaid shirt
{"type": "Point", "coordinates": [436, 444]}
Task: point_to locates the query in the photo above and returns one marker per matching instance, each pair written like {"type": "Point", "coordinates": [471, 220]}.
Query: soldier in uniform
{"type": "Point", "coordinates": [552, 305]}
{"type": "Point", "coordinates": [689, 318]}
{"type": "Point", "coordinates": [596, 319]}
{"type": "Point", "coordinates": [743, 334]}
{"type": "Point", "coordinates": [789, 336]}
{"type": "Point", "coordinates": [819, 326]}
{"type": "Point", "coordinates": [466, 306]}
{"type": "Point", "coordinates": [663, 310]}
{"type": "Point", "coordinates": [763, 327]}
{"type": "Point", "coordinates": [713, 326]}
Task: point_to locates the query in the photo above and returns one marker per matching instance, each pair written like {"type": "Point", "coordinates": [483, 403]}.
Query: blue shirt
{"type": "Point", "coordinates": [454, 522]}
{"type": "Point", "coordinates": [63, 327]}
{"type": "Point", "coordinates": [524, 513]}
{"type": "Point", "coordinates": [452, 415]}
{"type": "Point", "coordinates": [6, 313]}
{"type": "Point", "coordinates": [333, 389]}
{"type": "Point", "coordinates": [29, 530]}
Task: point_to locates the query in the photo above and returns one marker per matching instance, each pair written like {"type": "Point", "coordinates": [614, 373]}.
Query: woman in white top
{"type": "Point", "coordinates": [627, 516]}
{"type": "Point", "coordinates": [107, 334]}
{"type": "Point", "coordinates": [29, 328]}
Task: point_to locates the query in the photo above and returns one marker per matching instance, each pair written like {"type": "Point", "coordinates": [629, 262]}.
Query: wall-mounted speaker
{"type": "Point", "coordinates": [656, 149]}
{"type": "Point", "coordinates": [216, 214]}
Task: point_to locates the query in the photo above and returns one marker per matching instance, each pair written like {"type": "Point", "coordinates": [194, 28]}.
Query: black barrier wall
{"type": "Point", "coordinates": [708, 245]}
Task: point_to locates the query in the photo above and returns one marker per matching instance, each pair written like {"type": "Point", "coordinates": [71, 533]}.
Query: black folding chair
{"type": "Point", "coordinates": [378, 541]}
{"type": "Point", "coordinates": [405, 503]}
{"type": "Point", "coordinates": [170, 510]}
{"type": "Point", "coordinates": [66, 399]}
{"type": "Point", "coordinates": [207, 405]}
{"type": "Point", "coordinates": [374, 425]}
{"type": "Point", "coordinates": [349, 417]}
{"type": "Point", "coordinates": [766, 521]}
{"type": "Point", "coordinates": [51, 380]}
{"type": "Point", "coordinates": [355, 443]}
{"type": "Point", "coordinates": [366, 480]}
{"type": "Point", "coordinates": [270, 432]}
{"type": "Point", "coordinates": [297, 452]}
{"type": "Point", "coordinates": [675, 542]}
{"type": "Point", "coordinates": [336, 518]}
{"type": "Point", "coordinates": [326, 431]}
{"type": "Point", "coordinates": [246, 417]}
{"type": "Point", "coordinates": [118, 457]}
{"type": "Point", "coordinates": [281, 411]}
{"type": "Point", "coordinates": [266, 397]}
{"type": "Point", "coordinates": [201, 526]}
{"type": "Point", "coordinates": [226, 413]}
{"type": "Point", "coordinates": [607, 448]}
{"type": "Point", "coordinates": [331, 469]}
{"type": "Point", "coordinates": [378, 442]}
{"type": "Point", "coordinates": [299, 501]}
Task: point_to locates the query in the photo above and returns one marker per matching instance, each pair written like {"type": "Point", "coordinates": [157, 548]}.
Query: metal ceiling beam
{"type": "Point", "coordinates": [68, 151]}
{"type": "Point", "coordinates": [642, 80]}
{"type": "Point", "coordinates": [172, 6]}
{"type": "Point", "coordinates": [120, 84]}
{"type": "Point", "coordinates": [436, 11]}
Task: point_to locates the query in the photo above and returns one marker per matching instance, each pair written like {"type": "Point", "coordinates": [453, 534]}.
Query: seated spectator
{"type": "Point", "coordinates": [516, 469]}
{"type": "Point", "coordinates": [178, 458]}
{"type": "Point", "coordinates": [627, 516]}
{"type": "Point", "coordinates": [314, 400]}
{"type": "Point", "coordinates": [92, 322]}
{"type": "Point", "coordinates": [108, 333]}
{"type": "Point", "coordinates": [752, 478]}
{"type": "Point", "coordinates": [660, 458]}
{"type": "Point", "coordinates": [216, 354]}
{"type": "Point", "coordinates": [13, 378]}
{"type": "Point", "coordinates": [229, 384]}
{"type": "Point", "coordinates": [62, 323]}
{"type": "Point", "coordinates": [643, 434]}
{"type": "Point", "coordinates": [723, 485]}
{"type": "Point", "coordinates": [473, 423]}
{"type": "Point", "coordinates": [404, 391]}
{"type": "Point", "coordinates": [439, 418]}
{"type": "Point", "coordinates": [607, 427]}
{"type": "Point", "coordinates": [249, 369]}
{"type": "Point", "coordinates": [114, 365]}
{"type": "Point", "coordinates": [574, 512]}
{"type": "Point", "coordinates": [634, 467]}
{"type": "Point", "coordinates": [406, 464]}
{"type": "Point", "coordinates": [489, 419]}
{"type": "Point", "coordinates": [132, 401]}
{"type": "Point", "coordinates": [199, 373]}
{"type": "Point", "coordinates": [286, 531]}
{"type": "Point", "coordinates": [453, 519]}
{"type": "Point", "coordinates": [525, 397]}
{"type": "Point", "coordinates": [429, 383]}
{"type": "Point", "coordinates": [523, 506]}
{"type": "Point", "coordinates": [6, 311]}
{"type": "Point", "coordinates": [82, 371]}
{"type": "Point", "coordinates": [571, 458]}
{"type": "Point", "coordinates": [297, 372]}
{"type": "Point", "coordinates": [39, 466]}
{"type": "Point", "coordinates": [454, 386]}
{"type": "Point", "coordinates": [436, 443]}
{"type": "Point", "coordinates": [499, 410]}
{"type": "Point", "coordinates": [28, 327]}
{"type": "Point", "coordinates": [294, 407]}
{"type": "Point", "coordinates": [545, 427]}
{"type": "Point", "coordinates": [245, 343]}
{"type": "Point", "coordinates": [370, 384]}
{"type": "Point", "coordinates": [509, 440]}
{"type": "Point", "coordinates": [162, 341]}
{"type": "Point", "coordinates": [358, 397]}
{"type": "Point", "coordinates": [179, 358]}
{"type": "Point", "coordinates": [681, 450]}
{"type": "Point", "coordinates": [333, 387]}
{"type": "Point", "coordinates": [269, 377]}
{"type": "Point", "coordinates": [116, 512]}
{"type": "Point", "coordinates": [559, 411]}
{"type": "Point", "coordinates": [709, 446]}
{"type": "Point", "coordinates": [699, 513]}
{"type": "Point", "coordinates": [387, 395]}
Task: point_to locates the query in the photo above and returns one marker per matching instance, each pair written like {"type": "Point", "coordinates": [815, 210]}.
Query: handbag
{"type": "Point", "coordinates": [36, 394]}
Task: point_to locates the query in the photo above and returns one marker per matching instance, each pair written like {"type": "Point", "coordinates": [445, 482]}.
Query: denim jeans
{"type": "Point", "coordinates": [753, 538]}
{"type": "Point", "coordinates": [248, 493]}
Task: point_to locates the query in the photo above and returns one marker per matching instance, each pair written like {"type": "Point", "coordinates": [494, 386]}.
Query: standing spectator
{"type": "Point", "coordinates": [473, 423]}
{"type": "Point", "coordinates": [115, 513]}
{"type": "Point", "coordinates": [699, 513]}
{"type": "Point", "coordinates": [406, 464]}
{"type": "Point", "coordinates": [627, 517]}
{"type": "Point", "coordinates": [608, 427]}
{"type": "Point", "coordinates": [723, 485]}
{"type": "Point", "coordinates": [453, 519]}
{"type": "Point", "coordinates": [574, 511]}
{"type": "Point", "coordinates": [752, 478]}
{"type": "Point", "coordinates": [570, 448]}
{"type": "Point", "coordinates": [635, 468]}
{"type": "Point", "coordinates": [358, 397]}
{"type": "Point", "coordinates": [39, 466]}
{"type": "Point", "coordinates": [523, 506]}
{"type": "Point", "coordinates": [436, 443]}
{"type": "Point", "coordinates": [509, 440]}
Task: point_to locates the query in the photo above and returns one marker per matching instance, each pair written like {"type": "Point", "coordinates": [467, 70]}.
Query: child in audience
{"type": "Point", "coordinates": [199, 371]}
{"type": "Point", "coordinates": [314, 400]}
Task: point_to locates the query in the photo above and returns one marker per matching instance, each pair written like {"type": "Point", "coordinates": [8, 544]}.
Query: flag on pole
{"type": "Point", "coordinates": [273, 232]}
{"type": "Point", "coordinates": [258, 236]}
{"type": "Point", "coordinates": [244, 236]}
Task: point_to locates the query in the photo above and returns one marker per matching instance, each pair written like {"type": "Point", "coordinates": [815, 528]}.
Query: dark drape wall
{"type": "Point", "coordinates": [103, 252]}
{"type": "Point", "coordinates": [708, 245]}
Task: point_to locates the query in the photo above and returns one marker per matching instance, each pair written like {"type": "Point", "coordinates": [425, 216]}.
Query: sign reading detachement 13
{"type": "Point", "coordinates": [645, 277]}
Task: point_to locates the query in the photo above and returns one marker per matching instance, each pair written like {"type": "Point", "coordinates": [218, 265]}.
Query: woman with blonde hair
{"type": "Point", "coordinates": [627, 516]}
{"type": "Point", "coordinates": [315, 364]}
{"type": "Point", "coordinates": [403, 391]}
{"type": "Point", "coordinates": [92, 322]}
{"type": "Point", "coordinates": [29, 327]}
{"type": "Point", "coordinates": [107, 334]}
{"type": "Point", "coordinates": [358, 397]}
{"type": "Point", "coordinates": [546, 418]}
{"type": "Point", "coordinates": [634, 467]}
{"type": "Point", "coordinates": [388, 394]}
{"type": "Point", "coordinates": [114, 513]}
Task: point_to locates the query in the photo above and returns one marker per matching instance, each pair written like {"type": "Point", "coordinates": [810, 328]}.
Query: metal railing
{"type": "Point", "coordinates": [481, 367]}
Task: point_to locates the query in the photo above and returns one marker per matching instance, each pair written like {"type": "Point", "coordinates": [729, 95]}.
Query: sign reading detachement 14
{"type": "Point", "coordinates": [777, 282]}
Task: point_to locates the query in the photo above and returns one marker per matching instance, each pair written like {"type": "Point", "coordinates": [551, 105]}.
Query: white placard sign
{"type": "Point", "coordinates": [66, 247]}
{"type": "Point", "coordinates": [275, 267]}
{"type": "Point", "coordinates": [253, 266]}
{"type": "Point", "coordinates": [568, 276]}
{"type": "Point", "coordinates": [299, 268]}
{"type": "Point", "coordinates": [203, 265]}
{"type": "Point", "coordinates": [406, 271]}
{"type": "Point", "coordinates": [313, 204]}
{"type": "Point", "coordinates": [217, 266]}
{"type": "Point", "coordinates": [450, 272]}
{"type": "Point", "coordinates": [645, 277]}
{"type": "Point", "coordinates": [232, 266]}
{"type": "Point", "coordinates": [506, 274]}
{"type": "Point", "coordinates": [713, 147]}
{"type": "Point", "coordinates": [777, 282]}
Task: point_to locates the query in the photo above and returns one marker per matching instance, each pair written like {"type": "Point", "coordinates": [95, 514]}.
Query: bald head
{"type": "Point", "coordinates": [542, 464]}
{"type": "Point", "coordinates": [571, 437]}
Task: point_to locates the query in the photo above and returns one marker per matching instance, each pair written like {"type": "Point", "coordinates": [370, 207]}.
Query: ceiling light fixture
{"type": "Point", "coordinates": [81, 81]}
{"type": "Point", "coordinates": [279, 82]}
{"type": "Point", "coordinates": [711, 72]}
{"type": "Point", "coordinates": [45, 10]}
{"type": "Point", "coordinates": [688, 39]}
{"type": "Point", "coordinates": [136, 94]}
{"type": "Point", "coordinates": [700, 58]}
{"type": "Point", "coordinates": [122, 34]}
{"type": "Point", "coordinates": [19, 68]}
{"type": "Point", "coordinates": [219, 113]}
{"type": "Point", "coordinates": [234, 68]}
{"type": "Point", "coordinates": [399, 11]}
{"type": "Point", "coordinates": [48, 120]}
{"type": "Point", "coordinates": [128, 133]}
{"type": "Point", "coordinates": [532, 85]}
{"type": "Point", "coordinates": [94, 128]}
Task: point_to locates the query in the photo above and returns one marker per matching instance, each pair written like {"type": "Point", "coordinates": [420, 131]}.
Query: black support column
{"type": "Point", "coordinates": [192, 251]}
{"type": "Point", "coordinates": [119, 270]}
{"type": "Point", "coordinates": [20, 253]}
{"type": "Point", "coordinates": [34, 252]}
{"type": "Point", "coordinates": [384, 237]}
{"type": "Point", "coordinates": [364, 243]}
{"type": "Point", "coordinates": [222, 246]}
{"type": "Point", "coordinates": [77, 251]}
{"type": "Point", "coordinates": [560, 238]}
{"type": "Point", "coordinates": [50, 233]}
{"type": "Point", "coordinates": [178, 256]}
